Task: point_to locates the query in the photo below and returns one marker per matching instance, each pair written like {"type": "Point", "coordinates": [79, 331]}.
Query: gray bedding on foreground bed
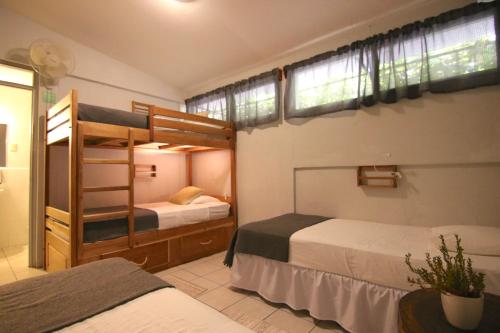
{"type": "Point", "coordinates": [145, 219]}
{"type": "Point", "coordinates": [269, 238]}
{"type": "Point", "coordinates": [54, 301]}
{"type": "Point", "coordinates": [99, 114]}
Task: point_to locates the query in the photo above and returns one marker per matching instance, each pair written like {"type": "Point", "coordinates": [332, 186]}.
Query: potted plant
{"type": "Point", "coordinates": [460, 286]}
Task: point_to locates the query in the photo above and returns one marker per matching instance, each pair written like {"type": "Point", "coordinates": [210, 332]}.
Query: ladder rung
{"type": "Point", "coordinates": [106, 188]}
{"type": "Point", "coordinates": [104, 161]}
{"type": "Point", "coordinates": [105, 216]}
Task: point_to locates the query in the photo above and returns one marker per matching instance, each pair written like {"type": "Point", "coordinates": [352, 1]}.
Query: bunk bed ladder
{"type": "Point", "coordinates": [95, 217]}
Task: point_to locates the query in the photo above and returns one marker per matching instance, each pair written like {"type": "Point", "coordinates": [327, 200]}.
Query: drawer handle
{"type": "Point", "coordinates": [207, 242]}
{"type": "Point", "coordinates": [143, 263]}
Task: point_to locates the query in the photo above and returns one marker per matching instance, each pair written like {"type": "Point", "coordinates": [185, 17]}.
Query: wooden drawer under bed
{"type": "Point", "coordinates": [152, 257]}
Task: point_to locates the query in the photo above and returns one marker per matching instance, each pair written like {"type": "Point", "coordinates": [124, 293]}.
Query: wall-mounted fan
{"type": "Point", "coordinates": [51, 60]}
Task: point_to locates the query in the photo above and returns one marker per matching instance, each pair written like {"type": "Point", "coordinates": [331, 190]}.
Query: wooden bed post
{"type": "Point", "coordinates": [189, 169]}
{"type": "Point", "coordinates": [73, 154]}
{"type": "Point", "coordinates": [234, 194]}
{"type": "Point", "coordinates": [131, 175]}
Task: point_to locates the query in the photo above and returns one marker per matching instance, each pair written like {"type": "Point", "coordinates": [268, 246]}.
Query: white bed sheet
{"type": "Point", "coordinates": [373, 252]}
{"type": "Point", "coordinates": [164, 310]}
{"type": "Point", "coordinates": [171, 215]}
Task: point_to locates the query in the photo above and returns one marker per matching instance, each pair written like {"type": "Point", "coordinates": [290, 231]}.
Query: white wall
{"type": "Point", "coordinates": [20, 32]}
{"type": "Point", "coordinates": [440, 140]}
{"type": "Point", "coordinates": [15, 111]}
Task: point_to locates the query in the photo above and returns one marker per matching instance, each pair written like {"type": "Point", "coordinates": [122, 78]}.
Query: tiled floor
{"type": "Point", "coordinates": [14, 264]}
{"type": "Point", "coordinates": [207, 280]}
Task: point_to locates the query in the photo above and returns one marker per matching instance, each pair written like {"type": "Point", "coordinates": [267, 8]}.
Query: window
{"type": "Point", "coordinates": [248, 103]}
{"type": "Point", "coordinates": [450, 52]}
{"type": "Point", "coordinates": [256, 100]}
{"type": "Point", "coordinates": [212, 105]}
{"type": "Point", "coordinates": [331, 81]}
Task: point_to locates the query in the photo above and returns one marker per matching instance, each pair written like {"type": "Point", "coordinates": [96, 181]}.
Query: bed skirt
{"type": "Point", "coordinates": [358, 306]}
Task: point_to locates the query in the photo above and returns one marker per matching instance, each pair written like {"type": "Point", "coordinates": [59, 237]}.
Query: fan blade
{"type": "Point", "coordinates": [56, 72]}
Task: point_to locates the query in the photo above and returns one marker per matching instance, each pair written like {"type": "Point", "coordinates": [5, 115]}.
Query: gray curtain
{"type": "Point", "coordinates": [214, 104]}
{"type": "Point", "coordinates": [256, 101]}
{"type": "Point", "coordinates": [453, 51]}
{"type": "Point", "coordinates": [248, 103]}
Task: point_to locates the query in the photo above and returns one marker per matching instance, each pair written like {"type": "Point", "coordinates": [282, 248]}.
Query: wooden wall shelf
{"type": "Point", "coordinates": [383, 176]}
{"type": "Point", "coordinates": [145, 170]}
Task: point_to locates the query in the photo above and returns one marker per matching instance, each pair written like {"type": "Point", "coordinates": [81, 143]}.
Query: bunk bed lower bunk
{"type": "Point", "coordinates": [157, 235]}
{"type": "Point", "coordinates": [351, 272]}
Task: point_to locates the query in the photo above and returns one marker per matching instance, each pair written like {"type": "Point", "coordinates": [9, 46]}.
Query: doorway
{"type": "Point", "coordinates": [17, 96]}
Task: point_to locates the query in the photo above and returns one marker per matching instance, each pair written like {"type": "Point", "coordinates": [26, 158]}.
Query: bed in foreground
{"type": "Point", "coordinates": [352, 272]}
{"type": "Point", "coordinates": [111, 295]}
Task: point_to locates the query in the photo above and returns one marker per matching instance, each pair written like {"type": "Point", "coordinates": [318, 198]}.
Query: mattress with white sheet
{"type": "Point", "coordinates": [373, 252]}
{"type": "Point", "coordinates": [164, 310]}
{"type": "Point", "coordinates": [171, 215]}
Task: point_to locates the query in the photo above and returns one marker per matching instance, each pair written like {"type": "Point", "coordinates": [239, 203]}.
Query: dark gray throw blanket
{"type": "Point", "coordinates": [269, 238]}
{"type": "Point", "coordinates": [145, 219]}
{"type": "Point", "coordinates": [54, 301]}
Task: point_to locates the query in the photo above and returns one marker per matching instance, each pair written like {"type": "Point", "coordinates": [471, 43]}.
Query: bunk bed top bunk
{"type": "Point", "coordinates": [107, 127]}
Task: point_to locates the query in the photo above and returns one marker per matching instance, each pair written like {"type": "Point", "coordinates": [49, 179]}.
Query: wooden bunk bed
{"type": "Point", "coordinates": [156, 249]}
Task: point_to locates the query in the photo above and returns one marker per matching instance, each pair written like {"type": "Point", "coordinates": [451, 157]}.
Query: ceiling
{"type": "Point", "coordinates": [186, 43]}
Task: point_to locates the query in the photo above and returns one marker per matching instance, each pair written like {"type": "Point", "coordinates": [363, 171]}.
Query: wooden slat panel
{"type": "Point", "coordinates": [59, 134]}
{"type": "Point", "coordinates": [105, 188]}
{"type": "Point", "coordinates": [188, 116]}
{"type": "Point", "coordinates": [62, 105]}
{"type": "Point", "coordinates": [186, 139]}
{"type": "Point", "coordinates": [103, 161]}
{"type": "Point", "coordinates": [141, 135]}
{"type": "Point", "coordinates": [105, 216]}
{"type": "Point", "coordinates": [58, 119]}
{"type": "Point", "coordinates": [58, 214]}
{"type": "Point", "coordinates": [227, 132]}
{"type": "Point", "coordinates": [103, 130]}
{"type": "Point", "coordinates": [59, 229]}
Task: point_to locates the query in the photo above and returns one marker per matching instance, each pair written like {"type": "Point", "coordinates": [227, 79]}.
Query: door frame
{"type": "Point", "coordinates": [35, 242]}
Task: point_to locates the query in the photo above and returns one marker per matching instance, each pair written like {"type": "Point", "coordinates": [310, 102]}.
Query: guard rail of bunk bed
{"type": "Point", "coordinates": [64, 243]}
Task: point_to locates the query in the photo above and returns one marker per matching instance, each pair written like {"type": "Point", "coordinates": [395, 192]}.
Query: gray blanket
{"type": "Point", "coordinates": [145, 219]}
{"type": "Point", "coordinates": [54, 301]}
{"type": "Point", "coordinates": [99, 114]}
{"type": "Point", "coordinates": [269, 238]}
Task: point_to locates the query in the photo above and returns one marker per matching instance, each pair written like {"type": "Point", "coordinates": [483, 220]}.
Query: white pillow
{"type": "Point", "coordinates": [476, 239]}
{"type": "Point", "coordinates": [204, 199]}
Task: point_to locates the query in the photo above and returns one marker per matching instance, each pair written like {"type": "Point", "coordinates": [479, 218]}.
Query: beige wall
{"type": "Point", "coordinates": [448, 146]}
{"type": "Point", "coordinates": [212, 172]}
{"type": "Point", "coordinates": [15, 111]}
{"type": "Point", "coordinates": [171, 177]}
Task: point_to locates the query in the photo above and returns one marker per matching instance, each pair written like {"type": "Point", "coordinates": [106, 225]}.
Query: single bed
{"type": "Point", "coordinates": [352, 272]}
{"type": "Point", "coordinates": [151, 216]}
{"type": "Point", "coordinates": [112, 295]}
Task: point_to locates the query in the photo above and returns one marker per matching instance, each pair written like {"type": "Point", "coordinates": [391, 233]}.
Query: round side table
{"type": "Point", "coordinates": [420, 311]}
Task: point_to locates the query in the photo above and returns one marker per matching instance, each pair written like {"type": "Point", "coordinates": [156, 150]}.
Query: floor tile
{"type": "Point", "coordinates": [303, 314]}
{"type": "Point", "coordinates": [167, 271]}
{"type": "Point", "coordinates": [6, 274]}
{"type": "Point", "coordinates": [251, 309]}
{"type": "Point", "coordinates": [204, 283]}
{"type": "Point", "coordinates": [288, 322]}
{"type": "Point", "coordinates": [185, 275]}
{"type": "Point", "coordinates": [221, 276]}
{"type": "Point", "coordinates": [323, 326]}
{"type": "Point", "coordinates": [28, 272]}
{"type": "Point", "coordinates": [200, 268]}
{"type": "Point", "coordinates": [220, 298]}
